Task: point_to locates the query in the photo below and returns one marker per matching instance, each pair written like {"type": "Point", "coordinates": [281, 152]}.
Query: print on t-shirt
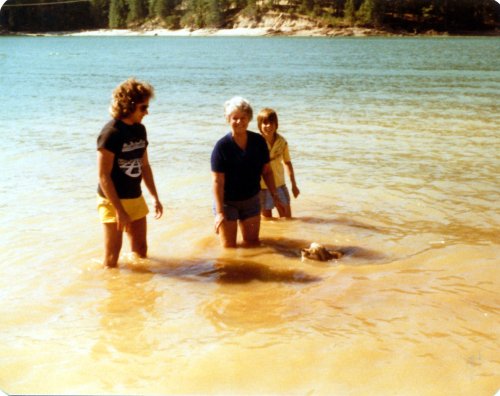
{"type": "Point", "coordinates": [132, 167]}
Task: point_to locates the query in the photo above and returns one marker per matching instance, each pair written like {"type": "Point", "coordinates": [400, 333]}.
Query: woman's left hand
{"type": "Point", "coordinates": [219, 219]}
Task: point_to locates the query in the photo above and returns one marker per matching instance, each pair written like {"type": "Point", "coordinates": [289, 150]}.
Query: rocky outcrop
{"type": "Point", "coordinates": [297, 25]}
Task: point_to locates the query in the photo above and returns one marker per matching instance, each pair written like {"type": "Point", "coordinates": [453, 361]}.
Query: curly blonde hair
{"type": "Point", "coordinates": [127, 96]}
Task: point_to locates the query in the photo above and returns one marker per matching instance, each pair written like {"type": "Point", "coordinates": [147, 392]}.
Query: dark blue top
{"type": "Point", "coordinates": [242, 168]}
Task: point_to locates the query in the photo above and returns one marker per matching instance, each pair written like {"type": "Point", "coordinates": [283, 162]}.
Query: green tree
{"type": "Point", "coordinates": [162, 8]}
{"type": "Point", "coordinates": [100, 12]}
{"type": "Point", "coordinates": [194, 16]}
{"type": "Point", "coordinates": [118, 11]}
{"type": "Point", "coordinates": [306, 6]}
{"type": "Point", "coordinates": [338, 7]}
{"type": "Point", "coordinates": [43, 16]}
{"type": "Point", "coordinates": [370, 13]}
{"type": "Point", "coordinates": [252, 10]}
{"type": "Point", "coordinates": [350, 12]}
{"type": "Point", "coordinates": [137, 11]}
{"type": "Point", "coordinates": [412, 15]}
{"type": "Point", "coordinates": [204, 13]}
{"type": "Point", "coordinates": [214, 16]}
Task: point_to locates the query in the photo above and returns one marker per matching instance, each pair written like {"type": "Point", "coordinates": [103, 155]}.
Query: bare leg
{"type": "Point", "coordinates": [228, 232]}
{"type": "Point", "coordinates": [137, 233]}
{"type": "Point", "coordinates": [112, 244]}
{"type": "Point", "coordinates": [250, 229]}
{"type": "Point", "coordinates": [287, 212]}
{"type": "Point", "coordinates": [267, 213]}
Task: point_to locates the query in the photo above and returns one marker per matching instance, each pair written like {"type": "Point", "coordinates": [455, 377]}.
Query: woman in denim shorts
{"type": "Point", "coordinates": [238, 161]}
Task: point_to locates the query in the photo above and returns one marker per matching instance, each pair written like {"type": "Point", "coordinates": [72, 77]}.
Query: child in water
{"type": "Point", "coordinates": [267, 121]}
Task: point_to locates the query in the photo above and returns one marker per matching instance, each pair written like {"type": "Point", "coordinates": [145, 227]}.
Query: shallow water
{"type": "Point", "coordinates": [395, 145]}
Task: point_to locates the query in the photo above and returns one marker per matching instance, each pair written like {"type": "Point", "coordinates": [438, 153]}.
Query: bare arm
{"type": "Point", "coordinates": [218, 191]}
{"type": "Point", "coordinates": [105, 160]}
{"type": "Point", "coordinates": [291, 174]}
{"type": "Point", "coordinates": [147, 176]}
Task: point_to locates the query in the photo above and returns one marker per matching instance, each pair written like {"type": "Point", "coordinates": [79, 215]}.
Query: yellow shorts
{"type": "Point", "coordinates": [135, 207]}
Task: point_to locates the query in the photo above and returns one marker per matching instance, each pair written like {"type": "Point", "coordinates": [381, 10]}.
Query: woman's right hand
{"type": "Point", "coordinates": [123, 220]}
{"type": "Point", "coordinates": [219, 219]}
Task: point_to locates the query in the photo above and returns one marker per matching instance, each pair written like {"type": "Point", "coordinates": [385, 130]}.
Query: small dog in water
{"type": "Point", "coordinates": [318, 252]}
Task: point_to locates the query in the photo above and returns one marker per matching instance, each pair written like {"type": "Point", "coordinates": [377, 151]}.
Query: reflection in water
{"type": "Point", "coordinates": [248, 295]}
{"type": "Point", "coordinates": [266, 305]}
{"type": "Point", "coordinates": [129, 305]}
{"type": "Point", "coordinates": [239, 311]}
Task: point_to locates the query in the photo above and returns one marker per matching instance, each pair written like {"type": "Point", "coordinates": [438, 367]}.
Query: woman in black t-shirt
{"type": "Point", "coordinates": [238, 161]}
{"type": "Point", "coordinates": [123, 163]}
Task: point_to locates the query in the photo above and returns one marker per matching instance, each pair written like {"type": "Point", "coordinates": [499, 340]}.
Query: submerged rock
{"type": "Point", "coordinates": [319, 252]}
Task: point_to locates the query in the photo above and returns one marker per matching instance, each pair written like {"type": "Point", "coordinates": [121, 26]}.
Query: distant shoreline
{"type": "Point", "coordinates": [256, 32]}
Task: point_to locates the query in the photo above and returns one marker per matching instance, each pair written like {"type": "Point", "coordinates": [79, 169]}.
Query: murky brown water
{"type": "Point", "coordinates": [398, 168]}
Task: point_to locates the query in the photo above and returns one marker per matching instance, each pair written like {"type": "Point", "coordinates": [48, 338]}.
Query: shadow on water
{"type": "Point", "coordinates": [226, 271]}
{"type": "Point", "coordinates": [244, 270]}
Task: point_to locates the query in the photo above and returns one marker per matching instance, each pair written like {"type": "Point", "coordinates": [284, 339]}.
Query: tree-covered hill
{"type": "Point", "coordinates": [415, 16]}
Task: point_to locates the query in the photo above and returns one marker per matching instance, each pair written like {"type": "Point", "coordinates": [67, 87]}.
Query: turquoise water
{"type": "Point", "coordinates": [395, 144]}
{"type": "Point", "coordinates": [376, 105]}
{"type": "Point", "coordinates": [398, 114]}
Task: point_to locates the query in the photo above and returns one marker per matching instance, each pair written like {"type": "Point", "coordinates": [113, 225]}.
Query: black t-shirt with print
{"type": "Point", "coordinates": [128, 143]}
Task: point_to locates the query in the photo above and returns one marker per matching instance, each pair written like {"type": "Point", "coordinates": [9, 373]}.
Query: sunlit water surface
{"type": "Point", "coordinates": [395, 145]}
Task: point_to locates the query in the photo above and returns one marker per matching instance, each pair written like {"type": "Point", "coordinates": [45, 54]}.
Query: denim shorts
{"type": "Point", "coordinates": [241, 210]}
{"type": "Point", "coordinates": [266, 200]}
